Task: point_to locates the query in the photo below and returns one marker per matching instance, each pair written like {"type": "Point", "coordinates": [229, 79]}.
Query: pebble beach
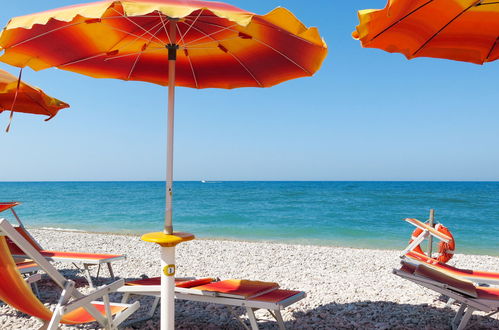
{"type": "Point", "coordinates": [346, 288]}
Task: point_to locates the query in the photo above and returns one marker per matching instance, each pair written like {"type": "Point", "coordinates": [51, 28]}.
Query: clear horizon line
{"type": "Point", "coordinates": [242, 180]}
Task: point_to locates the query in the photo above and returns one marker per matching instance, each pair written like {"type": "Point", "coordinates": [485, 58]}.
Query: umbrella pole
{"type": "Point", "coordinates": [168, 252]}
{"type": "Point", "coordinates": [167, 239]}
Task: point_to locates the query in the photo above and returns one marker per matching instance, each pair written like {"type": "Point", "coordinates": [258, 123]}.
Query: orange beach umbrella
{"type": "Point", "coordinates": [190, 43]}
{"type": "Point", "coordinates": [18, 96]}
{"type": "Point", "coordinates": [461, 30]}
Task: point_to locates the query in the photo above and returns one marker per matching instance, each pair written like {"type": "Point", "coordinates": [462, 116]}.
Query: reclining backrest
{"type": "Point", "coordinates": [454, 283]}
{"type": "Point", "coordinates": [14, 249]}
{"type": "Point", "coordinates": [13, 288]}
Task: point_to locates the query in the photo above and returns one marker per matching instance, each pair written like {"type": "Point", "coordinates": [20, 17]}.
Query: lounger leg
{"type": "Point", "coordinates": [155, 303]}
{"type": "Point", "coordinates": [125, 297]}
{"type": "Point", "coordinates": [87, 275]}
{"type": "Point", "coordinates": [450, 302]}
{"type": "Point", "coordinates": [98, 272]}
{"type": "Point", "coordinates": [466, 318]}
{"type": "Point", "coordinates": [459, 315]}
{"type": "Point", "coordinates": [34, 285]}
{"type": "Point", "coordinates": [278, 317]}
{"type": "Point", "coordinates": [251, 315]}
{"type": "Point", "coordinates": [110, 268]}
{"type": "Point", "coordinates": [109, 315]}
{"type": "Point", "coordinates": [237, 317]}
{"type": "Point", "coordinates": [65, 296]}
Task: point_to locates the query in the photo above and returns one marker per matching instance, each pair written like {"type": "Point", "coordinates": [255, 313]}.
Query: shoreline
{"type": "Point", "coordinates": [262, 241]}
{"type": "Point", "coordinates": [346, 287]}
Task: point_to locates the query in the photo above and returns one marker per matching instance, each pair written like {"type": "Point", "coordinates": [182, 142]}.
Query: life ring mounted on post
{"type": "Point", "coordinates": [445, 250]}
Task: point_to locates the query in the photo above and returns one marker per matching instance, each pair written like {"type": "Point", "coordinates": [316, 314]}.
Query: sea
{"type": "Point", "coordinates": [348, 214]}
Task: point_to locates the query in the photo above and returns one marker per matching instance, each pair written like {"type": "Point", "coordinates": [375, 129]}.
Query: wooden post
{"type": "Point", "coordinates": [430, 238]}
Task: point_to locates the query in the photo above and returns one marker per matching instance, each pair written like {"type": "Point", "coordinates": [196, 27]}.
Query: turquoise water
{"type": "Point", "coordinates": [356, 214]}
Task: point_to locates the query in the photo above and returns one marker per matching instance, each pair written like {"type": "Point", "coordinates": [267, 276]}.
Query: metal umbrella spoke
{"type": "Point", "coordinates": [443, 27]}
{"type": "Point", "coordinates": [492, 48]}
{"type": "Point", "coordinates": [137, 25]}
{"type": "Point", "coordinates": [137, 37]}
{"type": "Point", "coordinates": [140, 54]}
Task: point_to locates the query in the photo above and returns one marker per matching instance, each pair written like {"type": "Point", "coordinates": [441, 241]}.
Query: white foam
{"type": "Point", "coordinates": [61, 229]}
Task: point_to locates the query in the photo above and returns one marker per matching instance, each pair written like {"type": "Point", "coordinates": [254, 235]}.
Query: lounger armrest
{"type": "Point", "coordinates": [430, 229]}
{"type": "Point", "coordinates": [98, 293]}
{"type": "Point", "coordinates": [33, 278]}
{"type": "Point", "coordinates": [140, 289]}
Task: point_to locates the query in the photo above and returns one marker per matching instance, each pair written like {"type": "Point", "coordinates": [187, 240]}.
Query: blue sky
{"type": "Point", "coordinates": [366, 115]}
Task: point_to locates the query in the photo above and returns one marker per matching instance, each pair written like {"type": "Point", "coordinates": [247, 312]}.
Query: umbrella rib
{"type": "Point", "coordinates": [233, 55]}
{"type": "Point", "coordinates": [137, 37]}
{"type": "Point", "coordinates": [137, 25]}
{"type": "Point", "coordinates": [208, 42]}
{"type": "Point", "coordinates": [134, 53]}
{"type": "Point", "coordinates": [208, 35]}
{"type": "Point", "coordinates": [192, 68]}
{"type": "Point", "coordinates": [43, 34]}
{"type": "Point", "coordinates": [492, 48]}
{"type": "Point", "coordinates": [81, 60]}
{"type": "Point", "coordinates": [264, 24]}
{"type": "Point", "coordinates": [266, 45]}
{"type": "Point", "coordinates": [283, 55]}
{"type": "Point", "coordinates": [190, 26]}
{"type": "Point", "coordinates": [446, 25]}
{"type": "Point", "coordinates": [68, 26]}
{"type": "Point", "coordinates": [164, 27]}
{"type": "Point", "coordinates": [140, 54]}
{"type": "Point", "coordinates": [245, 68]}
{"type": "Point", "coordinates": [401, 19]}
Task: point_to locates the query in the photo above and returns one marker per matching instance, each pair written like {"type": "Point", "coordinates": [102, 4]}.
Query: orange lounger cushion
{"type": "Point", "coordinates": [26, 265]}
{"type": "Point", "coordinates": [77, 255]}
{"type": "Point", "coordinates": [487, 293]}
{"type": "Point", "coordinates": [243, 288]}
{"type": "Point", "coordinates": [276, 296]}
{"type": "Point", "coordinates": [80, 315]}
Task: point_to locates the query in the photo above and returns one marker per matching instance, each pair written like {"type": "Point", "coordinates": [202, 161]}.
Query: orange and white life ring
{"type": "Point", "coordinates": [445, 250]}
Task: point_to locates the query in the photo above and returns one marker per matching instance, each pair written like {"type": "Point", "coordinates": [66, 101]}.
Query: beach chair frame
{"type": "Point", "coordinates": [88, 263]}
{"type": "Point", "coordinates": [467, 303]}
{"type": "Point", "coordinates": [65, 304]}
{"type": "Point", "coordinates": [250, 304]}
{"type": "Point", "coordinates": [427, 230]}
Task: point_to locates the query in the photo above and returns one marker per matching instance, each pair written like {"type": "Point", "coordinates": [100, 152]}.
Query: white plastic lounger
{"type": "Point", "coordinates": [73, 306]}
{"type": "Point", "coordinates": [252, 295]}
{"type": "Point", "coordinates": [470, 297]}
{"type": "Point", "coordinates": [87, 260]}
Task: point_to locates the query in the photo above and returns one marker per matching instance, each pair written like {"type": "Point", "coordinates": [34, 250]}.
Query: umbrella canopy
{"type": "Point", "coordinates": [219, 45]}
{"type": "Point", "coordinates": [188, 43]}
{"type": "Point", "coordinates": [18, 96]}
{"type": "Point", "coordinates": [462, 30]}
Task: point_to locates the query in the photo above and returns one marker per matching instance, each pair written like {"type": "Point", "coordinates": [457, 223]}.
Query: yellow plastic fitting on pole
{"type": "Point", "coordinates": [166, 240]}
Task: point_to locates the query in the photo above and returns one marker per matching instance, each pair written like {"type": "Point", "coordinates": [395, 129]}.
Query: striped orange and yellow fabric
{"type": "Point", "coordinates": [220, 46]}
{"type": "Point", "coordinates": [462, 30]}
{"type": "Point", "coordinates": [19, 96]}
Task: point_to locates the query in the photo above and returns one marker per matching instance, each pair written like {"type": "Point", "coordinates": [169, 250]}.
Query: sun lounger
{"type": "Point", "coordinates": [88, 260]}
{"type": "Point", "coordinates": [252, 295]}
{"type": "Point", "coordinates": [475, 276]}
{"type": "Point", "coordinates": [72, 308]}
{"type": "Point", "coordinates": [470, 297]}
